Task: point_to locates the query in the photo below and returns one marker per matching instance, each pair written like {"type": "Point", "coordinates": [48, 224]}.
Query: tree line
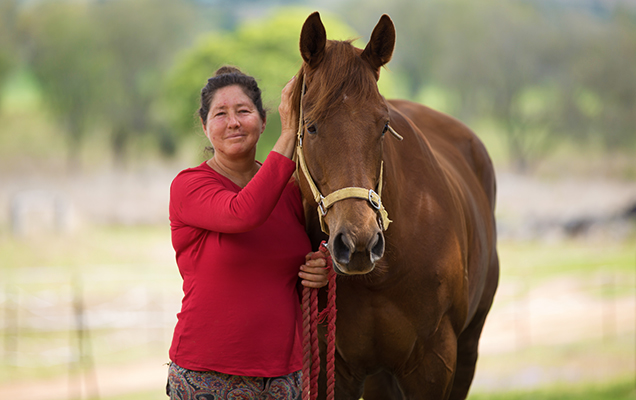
{"type": "Point", "coordinates": [540, 71]}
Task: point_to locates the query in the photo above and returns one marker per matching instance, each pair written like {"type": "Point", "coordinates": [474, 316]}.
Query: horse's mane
{"type": "Point", "coordinates": [341, 71]}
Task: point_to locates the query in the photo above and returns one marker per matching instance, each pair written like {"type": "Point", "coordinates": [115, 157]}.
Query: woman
{"type": "Point", "coordinates": [238, 232]}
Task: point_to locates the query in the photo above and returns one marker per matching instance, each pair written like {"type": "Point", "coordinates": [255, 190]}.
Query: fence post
{"type": "Point", "coordinates": [83, 362]}
{"type": "Point", "coordinates": [523, 324]}
{"type": "Point", "coordinates": [11, 313]}
{"type": "Point", "coordinates": [608, 287]}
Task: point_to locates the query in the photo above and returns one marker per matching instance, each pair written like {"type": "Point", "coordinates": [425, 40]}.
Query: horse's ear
{"type": "Point", "coordinates": [379, 50]}
{"type": "Point", "coordinates": [313, 39]}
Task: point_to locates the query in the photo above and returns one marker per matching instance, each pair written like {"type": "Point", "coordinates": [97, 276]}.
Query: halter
{"type": "Point", "coordinates": [325, 203]}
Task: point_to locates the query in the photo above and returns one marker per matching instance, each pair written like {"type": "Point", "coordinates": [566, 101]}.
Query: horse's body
{"type": "Point", "coordinates": [409, 323]}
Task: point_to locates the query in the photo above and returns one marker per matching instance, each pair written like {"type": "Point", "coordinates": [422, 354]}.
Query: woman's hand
{"type": "Point", "coordinates": [314, 272]}
{"type": "Point", "coordinates": [288, 122]}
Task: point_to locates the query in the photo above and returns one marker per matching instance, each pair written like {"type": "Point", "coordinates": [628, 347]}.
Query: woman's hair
{"type": "Point", "coordinates": [227, 76]}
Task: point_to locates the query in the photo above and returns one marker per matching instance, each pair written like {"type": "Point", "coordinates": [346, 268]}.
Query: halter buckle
{"type": "Point", "coordinates": [321, 206]}
{"type": "Point", "coordinates": [374, 199]}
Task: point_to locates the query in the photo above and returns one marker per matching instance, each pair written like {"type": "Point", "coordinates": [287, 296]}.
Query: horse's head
{"type": "Point", "coordinates": [343, 122]}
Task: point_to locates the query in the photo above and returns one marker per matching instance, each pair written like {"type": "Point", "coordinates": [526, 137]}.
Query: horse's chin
{"type": "Point", "coordinates": [345, 270]}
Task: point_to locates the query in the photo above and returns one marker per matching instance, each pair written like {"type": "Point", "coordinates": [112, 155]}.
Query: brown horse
{"type": "Point", "coordinates": [412, 297]}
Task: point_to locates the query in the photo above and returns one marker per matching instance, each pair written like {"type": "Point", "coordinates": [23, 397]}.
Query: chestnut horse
{"type": "Point", "coordinates": [412, 297]}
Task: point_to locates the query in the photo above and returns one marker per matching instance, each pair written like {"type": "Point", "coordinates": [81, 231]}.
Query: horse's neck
{"type": "Point", "coordinates": [413, 161]}
{"type": "Point", "coordinates": [413, 152]}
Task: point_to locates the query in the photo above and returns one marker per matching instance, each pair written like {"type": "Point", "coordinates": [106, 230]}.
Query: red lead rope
{"type": "Point", "coordinates": [311, 317]}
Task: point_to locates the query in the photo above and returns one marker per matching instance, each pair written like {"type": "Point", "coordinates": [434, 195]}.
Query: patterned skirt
{"type": "Point", "coordinates": [185, 384]}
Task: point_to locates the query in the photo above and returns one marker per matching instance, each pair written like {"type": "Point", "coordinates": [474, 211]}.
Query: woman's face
{"type": "Point", "coordinates": [233, 124]}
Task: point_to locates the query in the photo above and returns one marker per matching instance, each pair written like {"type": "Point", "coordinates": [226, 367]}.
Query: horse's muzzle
{"type": "Point", "coordinates": [355, 257]}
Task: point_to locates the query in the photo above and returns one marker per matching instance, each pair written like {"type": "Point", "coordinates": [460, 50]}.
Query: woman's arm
{"type": "Point", "coordinates": [288, 122]}
{"type": "Point", "coordinates": [200, 199]}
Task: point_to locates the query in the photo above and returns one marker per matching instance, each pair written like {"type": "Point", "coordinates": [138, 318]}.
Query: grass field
{"type": "Point", "coordinates": [129, 272]}
{"type": "Point", "coordinates": [624, 389]}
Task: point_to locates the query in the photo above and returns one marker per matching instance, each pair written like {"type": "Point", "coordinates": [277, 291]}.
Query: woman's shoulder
{"type": "Point", "coordinates": [192, 175]}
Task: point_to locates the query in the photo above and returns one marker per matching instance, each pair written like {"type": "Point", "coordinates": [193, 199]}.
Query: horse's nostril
{"type": "Point", "coordinates": [341, 249]}
{"type": "Point", "coordinates": [377, 248]}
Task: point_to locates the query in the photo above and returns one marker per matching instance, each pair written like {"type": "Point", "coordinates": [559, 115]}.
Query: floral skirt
{"type": "Point", "coordinates": [184, 384]}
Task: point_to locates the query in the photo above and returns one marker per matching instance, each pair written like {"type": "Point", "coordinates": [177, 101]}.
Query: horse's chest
{"type": "Point", "coordinates": [375, 334]}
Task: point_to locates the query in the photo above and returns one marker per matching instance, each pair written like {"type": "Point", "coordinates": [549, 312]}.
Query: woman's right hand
{"type": "Point", "coordinates": [314, 273]}
{"type": "Point", "coordinates": [288, 122]}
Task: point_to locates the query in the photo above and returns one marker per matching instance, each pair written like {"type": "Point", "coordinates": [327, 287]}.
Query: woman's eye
{"type": "Point", "coordinates": [311, 129]}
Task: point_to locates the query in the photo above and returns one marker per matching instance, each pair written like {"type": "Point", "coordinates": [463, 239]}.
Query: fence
{"type": "Point", "coordinates": [119, 315]}
{"type": "Point", "coordinates": [50, 323]}
{"type": "Point", "coordinates": [561, 311]}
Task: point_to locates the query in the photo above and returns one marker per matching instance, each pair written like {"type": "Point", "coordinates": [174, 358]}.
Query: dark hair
{"type": "Point", "coordinates": [227, 76]}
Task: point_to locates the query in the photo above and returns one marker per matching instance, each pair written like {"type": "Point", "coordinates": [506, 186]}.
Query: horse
{"type": "Point", "coordinates": [409, 224]}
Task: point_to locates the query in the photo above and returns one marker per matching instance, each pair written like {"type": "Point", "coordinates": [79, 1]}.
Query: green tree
{"type": "Point", "coordinates": [266, 48]}
{"type": "Point", "coordinates": [101, 64]}
{"type": "Point", "coordinates": [499, 59]}
{"type": "Point", "coordinates": [606, 81]}
{"type": "Point", "coordinates": [63, 52]}
{"type": "Point", "coordinates": [417, 43]}
{"type": "Point", "coordinates": [9, 56]}
{"type": "Point", "coordinates": [541, 71]}
{"type": "Point", "coordinates": [139, 40]}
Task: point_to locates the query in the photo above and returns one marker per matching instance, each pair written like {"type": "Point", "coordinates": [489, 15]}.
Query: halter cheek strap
{"type": "Point", "coordinates": [325, 203]}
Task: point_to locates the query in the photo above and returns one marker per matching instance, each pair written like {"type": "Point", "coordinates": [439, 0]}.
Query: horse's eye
{"type": "Point", "coordinates": [386, 128]}
{"type": "Point", "coordinates": [311, 129]}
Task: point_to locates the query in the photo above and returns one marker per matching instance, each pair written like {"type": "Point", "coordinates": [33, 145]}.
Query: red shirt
{"type": "Point", "coordinates": [239, 251]}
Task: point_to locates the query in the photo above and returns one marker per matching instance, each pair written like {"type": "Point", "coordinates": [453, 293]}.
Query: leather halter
{"type": "Point", "coordinates": [325, 203]}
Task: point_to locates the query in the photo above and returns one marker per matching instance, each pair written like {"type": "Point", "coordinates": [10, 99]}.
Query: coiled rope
{"type": "Point", "coordinates": [311, 318]}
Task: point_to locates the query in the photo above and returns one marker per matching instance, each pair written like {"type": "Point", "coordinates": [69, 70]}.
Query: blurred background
{"type": "Point", "coordinates": [97, 115]}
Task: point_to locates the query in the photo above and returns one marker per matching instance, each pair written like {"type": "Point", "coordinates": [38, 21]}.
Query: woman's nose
{"type": "Point", "coordinates": [233, 120]}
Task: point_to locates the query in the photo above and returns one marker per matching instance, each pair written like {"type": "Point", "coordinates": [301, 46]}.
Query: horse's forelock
{"type": "Point", "coordinates": [341, 71]}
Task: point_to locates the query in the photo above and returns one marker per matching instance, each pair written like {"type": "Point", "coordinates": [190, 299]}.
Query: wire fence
{"type": "Point", "coordinates": [561, 311]}
{"type": "Point", "coordinates": [71, 323]}
{"type": "Point", "coordinates": [53, 324]}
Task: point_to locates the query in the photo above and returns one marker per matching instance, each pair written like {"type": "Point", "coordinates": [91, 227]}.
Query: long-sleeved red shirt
{"type": "Point", "coordinates": [239, 251]}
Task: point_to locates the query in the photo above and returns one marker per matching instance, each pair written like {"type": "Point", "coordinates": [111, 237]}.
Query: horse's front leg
{"type": "Point", "coordinates": [429, 373]}
{"type": "Point", "coordinates": [382, 386]}
{"type": "Point", "coordinates": [349, 383]}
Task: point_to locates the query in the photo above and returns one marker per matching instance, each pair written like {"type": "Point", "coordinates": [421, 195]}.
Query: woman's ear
{"type": "Point", "coordinates": [264, 124]}
{"type": "Point", "coordinates": [205, 131]}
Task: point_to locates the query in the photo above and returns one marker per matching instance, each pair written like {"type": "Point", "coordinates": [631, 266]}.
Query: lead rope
{"type": "Point", "coordinates": [311, 352]}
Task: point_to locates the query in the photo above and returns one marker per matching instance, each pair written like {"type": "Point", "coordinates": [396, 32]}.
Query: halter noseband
{"type": "Point", "coordinates": [325, 203]}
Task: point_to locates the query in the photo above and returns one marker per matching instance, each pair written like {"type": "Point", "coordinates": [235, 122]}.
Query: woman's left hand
{"type": "Point", "coordinates": [314, 272]}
